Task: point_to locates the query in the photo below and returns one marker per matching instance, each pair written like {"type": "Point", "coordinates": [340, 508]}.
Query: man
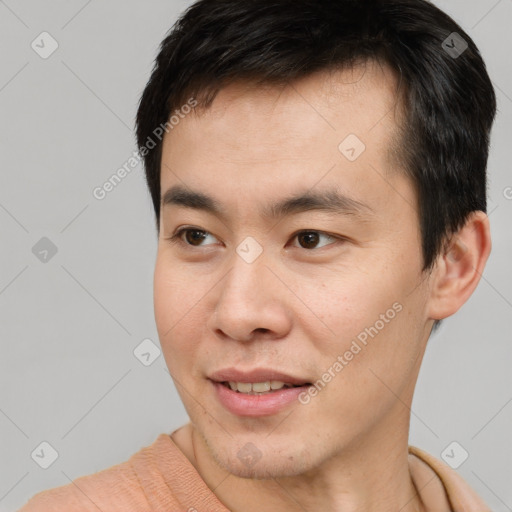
{"type": "Point", "coordinates": [320, 201]}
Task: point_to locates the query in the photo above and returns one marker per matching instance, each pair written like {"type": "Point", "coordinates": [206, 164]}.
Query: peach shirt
{"type": "Point", "coordinates": [160, 478]}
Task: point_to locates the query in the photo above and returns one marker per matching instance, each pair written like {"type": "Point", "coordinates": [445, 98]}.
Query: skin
{"type": "Point", "coordinates": [297, 307]}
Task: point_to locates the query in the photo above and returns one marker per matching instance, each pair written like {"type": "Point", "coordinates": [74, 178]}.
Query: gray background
{"type": "Point", "coordinates": [68, 326]}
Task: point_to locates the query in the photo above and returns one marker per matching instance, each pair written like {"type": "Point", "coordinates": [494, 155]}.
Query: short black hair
{"type": "Point", "coordinates": [446, 93]}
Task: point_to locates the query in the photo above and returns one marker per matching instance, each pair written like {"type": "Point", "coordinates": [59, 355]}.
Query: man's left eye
{"type": "Point", "coordinates": [309, 239]}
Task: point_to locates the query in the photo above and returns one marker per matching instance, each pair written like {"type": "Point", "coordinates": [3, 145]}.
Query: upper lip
{"type": "Point", "coordinates": [255, 375]}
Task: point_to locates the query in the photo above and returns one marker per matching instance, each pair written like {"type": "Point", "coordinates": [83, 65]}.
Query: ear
{"type": "Point", "coordinates": [460, 266]}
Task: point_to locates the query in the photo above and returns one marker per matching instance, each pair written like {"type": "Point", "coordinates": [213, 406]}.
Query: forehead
{"type": "Point", "coordinates": [272, 138]}
{"type": "Point", "coordinates": [362, 100]}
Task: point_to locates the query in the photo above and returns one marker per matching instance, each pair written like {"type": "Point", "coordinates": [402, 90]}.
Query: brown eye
{"type": "Point", "coordinates": [310, 239]}
{"type": "Point", "coordinates": [194, 236]}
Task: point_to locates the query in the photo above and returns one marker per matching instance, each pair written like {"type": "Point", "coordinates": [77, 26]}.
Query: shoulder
{"type": "Point", "coordinates": [114, 488]}
{"type": "Point", "coordinates": [436, 481]}
{"type": "Point", "coordinates": [108, 488]}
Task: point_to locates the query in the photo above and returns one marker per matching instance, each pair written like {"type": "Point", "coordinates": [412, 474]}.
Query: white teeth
{"type": "Point", "coordinates": [244, 387]}
{"type": "Point", "coordinates": [261, 387]}
{"type": "Point", "coordinates": [257, 387]}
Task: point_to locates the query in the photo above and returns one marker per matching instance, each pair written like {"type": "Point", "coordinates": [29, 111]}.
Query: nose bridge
{"type": "Point", "coordinates": [246, 283]}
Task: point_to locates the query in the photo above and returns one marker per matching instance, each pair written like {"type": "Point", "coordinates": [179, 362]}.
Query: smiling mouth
{"type": "Point", "coordinates": [259, 388]}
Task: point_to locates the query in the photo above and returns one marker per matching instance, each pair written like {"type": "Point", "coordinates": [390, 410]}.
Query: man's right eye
{"type": "Point", "coordinates": [193, 236]}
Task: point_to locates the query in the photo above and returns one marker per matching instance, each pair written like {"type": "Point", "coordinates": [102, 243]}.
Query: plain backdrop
{"type": "Point", "coordinates": [76, 272]}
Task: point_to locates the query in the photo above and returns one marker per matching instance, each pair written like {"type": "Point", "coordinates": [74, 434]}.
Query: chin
{"type": "Point", "coordinates": [260, 458]}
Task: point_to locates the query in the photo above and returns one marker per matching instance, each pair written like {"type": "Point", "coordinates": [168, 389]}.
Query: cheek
{"type": "Point", "coordinates": [177, 309]}
{"type": "Point", "coordinates": [348, 303]}
{"type": "Point", "coordinates": [367, 313]}
{"type": "Point", "coordinates": [373, 363]}
{"type": "Point", "coordinates": [165, 290]}
{"type": "Point", "coordinates": [176, 290]}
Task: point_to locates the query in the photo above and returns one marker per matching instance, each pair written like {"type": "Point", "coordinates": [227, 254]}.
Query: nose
{"type": "Point", "coordinates": [252, 303]}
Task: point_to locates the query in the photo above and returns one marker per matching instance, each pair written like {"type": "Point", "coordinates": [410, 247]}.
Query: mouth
{"type": "Point", "coordinates": [260, 388]}
{"type": "Point", "coordinates": [257, 392]}
{"type": "Point", "coordinates": [260, 398]}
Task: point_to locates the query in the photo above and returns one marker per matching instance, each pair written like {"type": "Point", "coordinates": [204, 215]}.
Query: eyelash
{"type": "Point", "coordinates": [176, 238]}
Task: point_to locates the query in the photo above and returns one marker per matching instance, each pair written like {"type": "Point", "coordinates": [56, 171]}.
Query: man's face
{"type": "Point", "coordinates": [323, 280]}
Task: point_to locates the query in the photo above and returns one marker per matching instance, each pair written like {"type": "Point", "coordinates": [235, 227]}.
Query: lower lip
{"type": "Point", "coordinates": [266, 404]}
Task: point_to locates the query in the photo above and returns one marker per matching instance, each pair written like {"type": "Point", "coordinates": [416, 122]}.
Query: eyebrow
{"type": "Point", "coordinates": [330, 201]}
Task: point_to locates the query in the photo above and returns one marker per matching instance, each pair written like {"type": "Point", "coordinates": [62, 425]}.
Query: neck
{"type": "Point", "coordinates": [370, 475]}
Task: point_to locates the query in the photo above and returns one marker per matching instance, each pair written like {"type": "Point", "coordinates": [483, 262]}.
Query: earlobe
{"type": "Point", "coordinates": [460, 267]}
